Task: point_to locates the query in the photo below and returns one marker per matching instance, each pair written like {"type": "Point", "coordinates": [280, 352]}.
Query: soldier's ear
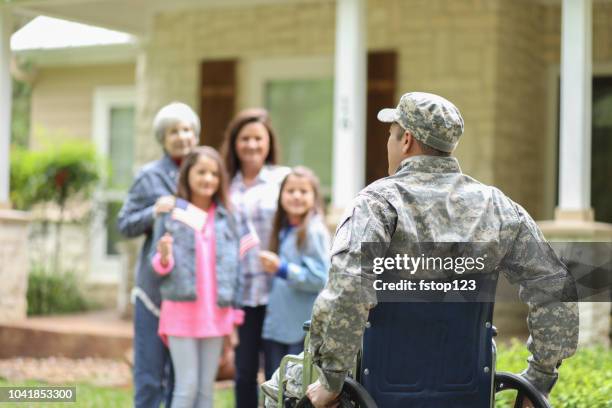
{"type": "Point", "coordinates": [408, 141]}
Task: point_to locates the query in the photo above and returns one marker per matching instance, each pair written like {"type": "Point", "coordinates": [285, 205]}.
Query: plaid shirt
{"type": "Point", "coordinates": [257, 203]}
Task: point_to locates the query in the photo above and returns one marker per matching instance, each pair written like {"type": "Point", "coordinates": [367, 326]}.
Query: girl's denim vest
{"type": "Point", "coordinates": [180, 283]}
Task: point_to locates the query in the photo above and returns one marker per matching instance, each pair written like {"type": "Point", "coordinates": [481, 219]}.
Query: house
{"type": "Point", "coordinates": [533, 79]}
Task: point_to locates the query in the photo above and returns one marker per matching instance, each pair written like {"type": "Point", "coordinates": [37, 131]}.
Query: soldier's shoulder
{"type": "Point", "coordinates": [504, 205]}
{"type": "Point", "coordinates": [380, 188]}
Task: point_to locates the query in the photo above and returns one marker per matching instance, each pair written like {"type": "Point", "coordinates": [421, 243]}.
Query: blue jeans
{"type": "Point", "coordinates": [275, 351]}
{"type": "Point", "coordinates": [153, 375]}
{"type": "Point", "coordinates": [247, 356]}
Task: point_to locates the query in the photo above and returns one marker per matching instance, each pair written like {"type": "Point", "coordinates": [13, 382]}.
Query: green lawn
{"type": "Point", "coordinates": [89, 396]}
{"type": "Point", "coordinates": [585, 382]}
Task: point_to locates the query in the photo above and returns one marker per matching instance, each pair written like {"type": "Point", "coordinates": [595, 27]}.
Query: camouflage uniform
{"type": "Point", "coordinates": [429, 199]}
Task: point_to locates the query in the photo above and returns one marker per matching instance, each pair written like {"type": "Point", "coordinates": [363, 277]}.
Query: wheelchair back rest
{"type": "Point", "coordinates": [429, 355]}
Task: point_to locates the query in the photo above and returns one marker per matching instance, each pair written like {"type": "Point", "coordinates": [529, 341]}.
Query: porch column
{"type": "Point", "coordinates": [576, 84]}
{"type": "Point", "coordinates": [575, 152]}
{"type": "Point", "coordinates": [6, 29]}
{"type": "Point", "coordinates": [349, 102]}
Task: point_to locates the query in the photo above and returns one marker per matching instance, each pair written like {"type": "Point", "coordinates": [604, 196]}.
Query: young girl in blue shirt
{"type": "Point", "coordinates": [299, 261]}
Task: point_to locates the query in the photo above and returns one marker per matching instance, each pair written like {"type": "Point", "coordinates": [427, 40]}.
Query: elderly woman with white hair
{"type": "Point", "coordinates": [176, 127]}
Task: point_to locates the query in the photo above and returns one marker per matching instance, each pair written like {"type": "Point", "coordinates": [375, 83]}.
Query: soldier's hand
{"type": "Point", "coordinates": [528, 404]}
{"type": "Point", "coordinates": [320, 397]}
{"type": "Point", "coordinates": [164, 204]}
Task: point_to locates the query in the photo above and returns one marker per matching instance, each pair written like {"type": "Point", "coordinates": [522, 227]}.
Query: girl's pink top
{"type": "Point", "coordinates": [202, 317]}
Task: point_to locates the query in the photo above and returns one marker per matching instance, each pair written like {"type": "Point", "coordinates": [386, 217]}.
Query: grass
{"type": "Point", "coordinates": [89, 396]}
{"type": "Point", "coordinates": [585, 381]}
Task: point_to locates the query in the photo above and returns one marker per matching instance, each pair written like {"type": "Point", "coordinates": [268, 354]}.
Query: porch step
{"type": "Point", "coordinates": [99, 334]}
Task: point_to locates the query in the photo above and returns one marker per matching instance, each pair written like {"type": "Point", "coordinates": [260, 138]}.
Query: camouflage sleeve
{"type": "Point", "coordinates": [543, 283]}
{"type": "Point", "coordinates": [341, 309]}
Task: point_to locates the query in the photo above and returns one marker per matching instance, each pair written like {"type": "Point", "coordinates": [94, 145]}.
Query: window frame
{"type": "Point", "coordinates": [105, 268]}
{"type": "Point", "coordinates": [553, 98]}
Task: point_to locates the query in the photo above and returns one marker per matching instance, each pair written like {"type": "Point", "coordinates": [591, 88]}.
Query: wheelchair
{"type": "Point", "coordinates": [421, 355]}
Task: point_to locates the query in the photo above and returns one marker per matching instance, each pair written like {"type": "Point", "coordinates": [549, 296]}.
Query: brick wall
{"type": "Point", "coordinates": [446, 47]}
{"type": "Point", "coordinates": [602, 33]}
{"type": "Point", "coordinates": [520, 104]}
{"type": "Point", "coordinates": [169, 66]}
{"type": "Point", "coordinates": [491, 57]}
{"type": "Point", "coordinates": [439, 45]}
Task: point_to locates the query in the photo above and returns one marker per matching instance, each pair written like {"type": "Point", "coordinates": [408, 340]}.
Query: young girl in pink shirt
{"type": "Point", "coordinates": [197, 258]}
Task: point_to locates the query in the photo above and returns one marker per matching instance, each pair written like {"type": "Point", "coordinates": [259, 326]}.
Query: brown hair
{"type": "Point", "coordinates": [426, 149]}
{"type": "Point", "coordinates": [243, 118]}
{"type": "Point", "coordinates": [183, 189]}
{"type": "Point", "coordinates": [280, 218]}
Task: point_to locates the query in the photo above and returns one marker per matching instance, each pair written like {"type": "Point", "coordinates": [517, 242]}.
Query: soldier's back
{"type": "Point", "coordinates": [433, 201]}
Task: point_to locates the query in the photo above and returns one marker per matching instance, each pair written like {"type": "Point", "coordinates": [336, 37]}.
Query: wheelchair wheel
{"type": "Point", "coordinates": [353, 396]}
{"type": "Point", "coordinates": [524, 389]}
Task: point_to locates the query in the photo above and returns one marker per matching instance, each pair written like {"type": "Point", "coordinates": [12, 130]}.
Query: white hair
{"type": "Point", "coordinates": [172, 113]}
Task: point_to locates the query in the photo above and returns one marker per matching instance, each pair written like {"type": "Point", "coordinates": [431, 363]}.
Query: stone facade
{"type": "Point", "coordinates": [491, 57]}
{"type": "Point", "coordinates": [74, 249]}
{"type": "Point", "coordinates": [168, 68]}
{"type": "Point", "coordinates": [13, 265]}
{"type": "Point", "coordinates": [496, 59]}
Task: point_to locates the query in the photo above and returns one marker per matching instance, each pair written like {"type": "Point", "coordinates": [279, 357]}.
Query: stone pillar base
{"type": "Point", "coordinates": [14, 264]}
{"type": "Point", "coordinates": [585, 215]}
{"type": "Point", "coordinates": [579, 225]}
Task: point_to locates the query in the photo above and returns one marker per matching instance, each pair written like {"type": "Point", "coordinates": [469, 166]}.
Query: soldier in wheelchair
{"type": "Point", "coordinates": [364, 349]}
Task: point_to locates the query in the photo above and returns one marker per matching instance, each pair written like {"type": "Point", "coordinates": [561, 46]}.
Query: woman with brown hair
{"type": "Point", "coordinates": [250, 149]}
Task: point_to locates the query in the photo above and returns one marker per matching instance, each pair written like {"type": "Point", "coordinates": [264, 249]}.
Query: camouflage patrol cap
{"type": "Point", "coordinates": [432, 119]}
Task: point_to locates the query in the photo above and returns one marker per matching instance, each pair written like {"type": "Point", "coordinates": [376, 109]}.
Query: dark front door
{"type": "Point", "coordinates": [217, 99]}
{"type": "Point", "coordinates": [381, 94]}
{"type": "Point", "coordinates": [601, 159]}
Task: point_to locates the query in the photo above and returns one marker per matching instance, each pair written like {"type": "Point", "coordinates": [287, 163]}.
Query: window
{"type": "Point", "coordinates": [113, 130]}
{"type": "Point", "coordinates": [601, 148]}
{"type": "Point", "coordinates": [302, 114]}
{"type": "Point", "coordinates": [299, 93]}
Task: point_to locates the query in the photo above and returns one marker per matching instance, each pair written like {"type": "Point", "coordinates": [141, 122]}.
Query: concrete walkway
{"type": "Point", "coordinates": [99, 334]}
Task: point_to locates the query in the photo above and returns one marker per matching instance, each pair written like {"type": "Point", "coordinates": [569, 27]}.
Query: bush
{"type": "Point", "coordinates": [54, 293]}
{"type": "Point", "coordinates": [585, 380]}
{"type": "Point", "coordinates": [54, 174]}
{"type": "Point", "coordinates": [69, 169]}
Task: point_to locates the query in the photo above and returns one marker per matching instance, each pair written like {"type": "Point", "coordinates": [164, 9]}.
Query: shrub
{"type": "Point", "coordinates": [54, 293]}
{"type": "Point", "coordinates": [585, 380]}
{"type": "Point", "coordinates": [55, 174]}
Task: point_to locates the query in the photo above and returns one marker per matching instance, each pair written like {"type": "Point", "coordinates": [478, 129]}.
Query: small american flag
{"type": "Point", "coordinates": [189, 214]}
{"type": "Point", "coordinates": [248, 241]}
